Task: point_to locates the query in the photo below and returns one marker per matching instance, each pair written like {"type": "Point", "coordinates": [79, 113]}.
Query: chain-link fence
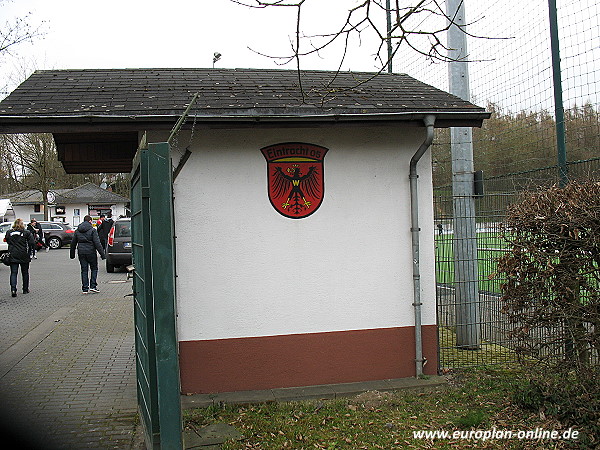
{"type": "Point", "coordinates": [511, 74]}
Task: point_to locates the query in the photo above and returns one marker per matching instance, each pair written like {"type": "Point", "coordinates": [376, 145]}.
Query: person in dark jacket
{"type": "Point", "coordinates": [31, 227]}
{"type": "Point", "coordinates": [35, 228]}
{"type": "Point", "coordinates": [106, 224]}
{"type": "Point", "coordinates": [20, 241]}
{"type": "Point", "coordinates": [87, 243]}
{"type": "Point", "coordinates": [41, 239]}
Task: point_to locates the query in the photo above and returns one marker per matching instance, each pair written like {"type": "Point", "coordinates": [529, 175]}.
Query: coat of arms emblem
{"type": "Point", "coordinates": [295, 178]}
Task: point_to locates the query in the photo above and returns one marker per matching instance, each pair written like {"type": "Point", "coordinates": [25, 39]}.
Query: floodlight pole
{"type": "Point", "coordinates": [388, 14]}
{"type": "Point", "coordinates": [465, 235]}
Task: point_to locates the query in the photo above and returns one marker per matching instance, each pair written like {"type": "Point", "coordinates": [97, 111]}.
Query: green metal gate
{"type": "Point", "coordinates": [157, 364]}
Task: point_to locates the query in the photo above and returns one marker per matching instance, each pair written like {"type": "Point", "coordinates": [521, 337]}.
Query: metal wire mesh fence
{"type": "Point", "coordinates": [495, 346]}
{"type": "Point", "coordinates": [511, 69]}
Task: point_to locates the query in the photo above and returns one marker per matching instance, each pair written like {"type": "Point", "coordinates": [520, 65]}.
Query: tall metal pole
{"type": "Point", "coordinates": [561, 144]}
{"type": "Point", "coordinates": [388, 14]}
{"type": "Point", "coordinates": [465, 234]}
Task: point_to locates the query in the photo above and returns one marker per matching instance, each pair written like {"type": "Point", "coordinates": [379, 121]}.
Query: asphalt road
{"type": "Point", "coordinates": [67, 367]}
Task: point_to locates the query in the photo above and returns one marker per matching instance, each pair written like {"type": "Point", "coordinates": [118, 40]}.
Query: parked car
{"type": "Point", "coordinates": [118, 247]}
{"type": "Point", "coordinates": [57, 234]}
{"type": "Point", "coordinates": [4, 227]}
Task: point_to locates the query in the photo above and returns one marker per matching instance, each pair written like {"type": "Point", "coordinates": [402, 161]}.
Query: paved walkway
{"type": "Point", "coordinates": [67, 371]}
{"type": "Point", "coordinates": [67, 363]}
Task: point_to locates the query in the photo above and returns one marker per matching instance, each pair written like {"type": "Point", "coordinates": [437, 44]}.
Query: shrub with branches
{"type": "Point", "coordinates": [551, 297]}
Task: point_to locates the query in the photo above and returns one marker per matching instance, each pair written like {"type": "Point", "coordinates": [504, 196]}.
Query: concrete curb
{"type": "Point", "coordinates": [325, 391]}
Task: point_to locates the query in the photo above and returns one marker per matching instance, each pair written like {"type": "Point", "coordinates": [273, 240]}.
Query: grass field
{"type": "Point", "coordinates": [490, 246]}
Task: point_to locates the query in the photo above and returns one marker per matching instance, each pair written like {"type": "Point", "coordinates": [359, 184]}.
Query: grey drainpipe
{"type": "Point", "coordinates": [429, 122]}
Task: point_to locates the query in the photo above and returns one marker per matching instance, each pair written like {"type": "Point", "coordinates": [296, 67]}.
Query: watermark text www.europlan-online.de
{"type": "Point", "coordinates": [494, 433]}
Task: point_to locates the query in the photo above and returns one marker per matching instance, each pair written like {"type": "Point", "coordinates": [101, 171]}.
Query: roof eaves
{"type": "Point", "coordinates": [255, 115]}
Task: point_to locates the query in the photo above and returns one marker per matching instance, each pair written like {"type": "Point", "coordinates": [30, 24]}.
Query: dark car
{"type": "Point", "coordinates": [57, 234]}
{"type": "Point", "coordinates": [118, 247]}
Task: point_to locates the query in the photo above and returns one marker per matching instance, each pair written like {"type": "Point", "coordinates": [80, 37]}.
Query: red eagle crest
{"type": "Point", "coordinates": [295, 178]}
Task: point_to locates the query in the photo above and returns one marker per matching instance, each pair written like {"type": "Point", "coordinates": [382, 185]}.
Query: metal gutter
{"type": "Point", "coordinates": [109, 124]}
{"type": "Point", "coordinates": [468, 115]}
{"type": "Point", "coordinates": [429, 122]}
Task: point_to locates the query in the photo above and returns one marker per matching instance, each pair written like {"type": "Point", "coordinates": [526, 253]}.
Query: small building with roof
{"type": "Point", "coordinates": [302, 242]}
{"type": "Point", "coordinates": [69, 205]}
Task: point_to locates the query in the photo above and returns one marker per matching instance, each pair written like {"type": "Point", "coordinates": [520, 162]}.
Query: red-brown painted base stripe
{"type": "Point", "coordinates": [227, 365]}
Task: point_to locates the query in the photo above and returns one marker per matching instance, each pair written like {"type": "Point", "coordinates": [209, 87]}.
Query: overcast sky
{"type": "Point", "coordinates": [186, 33]}
{"type": "Point", "coordinates": [174, 33]}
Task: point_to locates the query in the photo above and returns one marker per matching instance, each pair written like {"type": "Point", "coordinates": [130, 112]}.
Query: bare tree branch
{"type": "Point", "coordinates": [420, 27]}
{"type": "Point", "coordinates": [17, 31]}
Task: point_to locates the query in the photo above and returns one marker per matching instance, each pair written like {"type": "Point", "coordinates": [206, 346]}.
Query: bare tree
{"type": "Point", "coordinates": [387, 26]}
{"type": "Point", "coordinates": [17, 31]}
{"type": "Point", "coordinates": [419, 25]}
{"type": "Point", "coordinates": [13, 33]}
{"type": "Point", "coordinates": [31, 163]}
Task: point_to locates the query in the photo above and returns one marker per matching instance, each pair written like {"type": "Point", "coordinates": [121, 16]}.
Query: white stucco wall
{"type": "Point", "coordinates": [245, 270]}
{"type": "Point", "coordinates": [24, 212]}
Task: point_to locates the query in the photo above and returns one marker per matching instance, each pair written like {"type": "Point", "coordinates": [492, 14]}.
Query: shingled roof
{"type": "Point", "coordinates": [106, 108]}
{"type": "Point", "coordinates": [155, 95]}
{"type": "Point", "coordinates": [86, 193]}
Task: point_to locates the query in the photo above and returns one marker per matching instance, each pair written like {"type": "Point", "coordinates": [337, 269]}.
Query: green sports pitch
{"type": "Point", "coordinates": [490, 247]}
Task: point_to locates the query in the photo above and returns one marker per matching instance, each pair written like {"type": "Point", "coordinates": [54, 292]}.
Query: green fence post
{"type": "Point", "coordinates": [163, 286]}
{"type": "Point", "coordinates": [561, 144]}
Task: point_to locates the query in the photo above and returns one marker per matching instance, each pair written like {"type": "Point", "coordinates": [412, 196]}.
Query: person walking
{"type": "Point", "coordinates": [19, 242]}
{"type": "Point", "coordinates": [87, 242]}
{"type": "Point", "coordinates": [104, 228]}
{"type": "Point", "coordinates": [41, 239]}
{"type": "Point", "coordinates": [32, 228]}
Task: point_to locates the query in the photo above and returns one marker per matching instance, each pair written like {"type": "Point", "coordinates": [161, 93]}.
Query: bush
{"type": "Point", "coordinates": [551, 297]}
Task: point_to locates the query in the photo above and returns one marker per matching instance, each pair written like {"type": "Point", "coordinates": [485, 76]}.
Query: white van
{"type": "Point", "coordinates": [4, 227]}
{"type": "Point", "coordinates": [7, 213]}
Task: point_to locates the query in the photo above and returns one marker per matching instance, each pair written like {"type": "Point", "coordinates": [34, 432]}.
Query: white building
{"type": "Point", "coordinates": [322, 299]}
{"type": "Point", "coordinates": [69, 205]}
{"type": "Point", "coordinates": [294, 214]}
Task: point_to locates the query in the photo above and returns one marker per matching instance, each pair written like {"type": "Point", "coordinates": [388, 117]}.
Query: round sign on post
{"type": "Point", "coordinates": [50, 197]}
